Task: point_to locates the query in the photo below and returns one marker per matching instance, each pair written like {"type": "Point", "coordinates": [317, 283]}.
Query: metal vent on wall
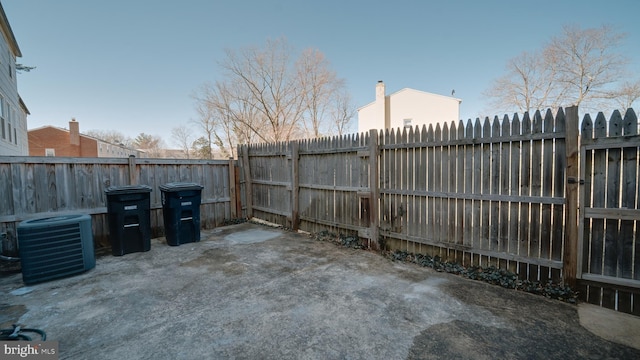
{"type": "Point", "coordinates": [55, 247]}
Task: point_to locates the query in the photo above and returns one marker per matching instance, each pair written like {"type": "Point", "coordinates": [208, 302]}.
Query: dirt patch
{"type": "Point", "coordinates": [9, 267]}
{"type": "Point", "coordinates": [211, 258]}
{"type": "Point", "coordinates": [9, 314]}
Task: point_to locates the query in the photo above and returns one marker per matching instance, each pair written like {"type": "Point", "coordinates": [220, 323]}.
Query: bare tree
{"type": "Point", "coordinates": [207, 123]}
{"type": "Point", "coordinates": [579, 67]}
{"type": "Point", "coordinates": [587, 63]}
{"type": "Point", "coordinates": [626, 94]}
{"type": "Point", "coordinates": [111, 136]}
{"type": "Point", "coordinates": [264, 75]}
{"type": "Point", "coordinates": [342, 113]}
{"type": "Point", "coordinates": [320, 83]}
{"type": "Point", "coordinates": [267, 96]}
{"type": "Point", "coordinates": [182, 137]}
{"type": "Point", "coordinates": [231, 116]}
{"type": "Point", "coordinates": [527, 86]}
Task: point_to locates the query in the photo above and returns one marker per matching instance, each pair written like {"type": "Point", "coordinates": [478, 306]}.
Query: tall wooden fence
{"type": "Point", "coordinates": [502, 192]}
{"type": "Point", "coordinates": [489, 193]}
{"type": "Point", "coordinates": [311, 184]}
{"type": "Point", "coordinates": [33, 187]}
{"type": "Point", "coordinates": [610, 248]}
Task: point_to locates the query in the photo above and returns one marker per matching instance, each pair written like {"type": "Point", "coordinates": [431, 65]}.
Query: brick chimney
{"type": "Point", "coordinates": [74, 132]}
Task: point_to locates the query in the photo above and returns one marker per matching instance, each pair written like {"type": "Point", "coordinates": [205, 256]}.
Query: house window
{"type": "Point", "coordinates": [407, 123]}
{"type": "Point", "coordinates": [2, 122]}
{"type": "Point", "coordinates": [15, 136]}
{"type": "Point", "coordinates": [9, 118]}
{"type": "Point", "coordinates": [49, 152]}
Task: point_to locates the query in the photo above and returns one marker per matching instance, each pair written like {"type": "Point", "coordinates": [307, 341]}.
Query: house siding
{"type": "Point", "coordinates": [58, 139]}
{"type": "Point", "coordinates": [421, 107]}
{"type": "Point", "coordinates": [14, 141]}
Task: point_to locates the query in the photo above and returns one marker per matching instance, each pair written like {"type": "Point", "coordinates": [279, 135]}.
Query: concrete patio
{"type": "Point", "coordinates": [252, 292]}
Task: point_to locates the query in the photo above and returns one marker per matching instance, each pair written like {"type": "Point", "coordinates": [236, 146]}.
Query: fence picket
{"type": "Point", "coordinates": [505, 184]}
{"type": "Point", "coordinates": [469, 180]}
{"type": "Point", "coordinates": [422, 186]}
{"type": "Point", "coordinates": [477, 190]}
{"type": "Point", "coordinates": [514, 186]}
{"type": "Point", "coordinates": [453, 168]}
{"type": "Point", "coordinates": [598, 196]}
{"type": "Point", "coordinates": [444, 185]}
{"type": "Point", "coordinates": [547, 191]}
{"type": "Point", "coordinates": [587, 134]}
{"type": "Point", "coordinates": [536, 190]}
{"type": "Point", "coordinates": [485, 231]}
{"type": "Point", "coordinates": [460, 188]}
{"type": "Point", "coordinates": [560, 164]}
{"type": "Point", "coordinates": [525, 190]}
{"type": "Point", "coordinates": [613, 195]}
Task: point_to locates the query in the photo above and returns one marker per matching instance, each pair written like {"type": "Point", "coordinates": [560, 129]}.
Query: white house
{"type": "Point", "coordinates": [13, 112]}
{"type": "Point", "coordinates": [407, 107]}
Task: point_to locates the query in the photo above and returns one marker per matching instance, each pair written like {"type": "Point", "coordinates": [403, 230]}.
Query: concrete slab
{"type": "Point", "coordinates": [247, 291]}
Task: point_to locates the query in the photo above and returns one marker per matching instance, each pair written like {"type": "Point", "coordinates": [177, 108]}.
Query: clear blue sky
{"type": "Point", "coordinates": [132, 65]}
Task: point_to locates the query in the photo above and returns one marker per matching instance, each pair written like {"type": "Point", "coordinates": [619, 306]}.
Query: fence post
{"type": "Point", "coordinates": [295, 186]}
{"type": "Point", "coordinates": [133, 174]}
{"type": "Point", "coordinates": [374, 184]}
{"type": "Point", "coordinates": [232, 188]}
{"type": "Point", "coordinates": [248, 195]}
{"type": "Point", "coordinates": [570, 264]}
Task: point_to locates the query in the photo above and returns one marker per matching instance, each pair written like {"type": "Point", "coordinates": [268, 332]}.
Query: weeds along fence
{"type": "Point", "coordinates": [33, 187]}
{"type": "Point", "coordinates": [502, 192]}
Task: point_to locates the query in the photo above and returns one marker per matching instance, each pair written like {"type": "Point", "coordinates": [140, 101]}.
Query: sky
{"type": "Point", "coordinates": [135, 65]}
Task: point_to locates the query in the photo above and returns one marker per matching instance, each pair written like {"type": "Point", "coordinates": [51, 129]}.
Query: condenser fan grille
{"type": "Point", "coordinates": [55, 247]}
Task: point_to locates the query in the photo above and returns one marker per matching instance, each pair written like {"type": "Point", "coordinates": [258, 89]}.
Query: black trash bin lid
{"type": "Point", "coordinates": [128, 189]}
{"type": "Point", "coordinates": [180, 186]}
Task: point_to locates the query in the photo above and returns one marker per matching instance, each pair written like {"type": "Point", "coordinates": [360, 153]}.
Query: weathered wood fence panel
{"type": "Point", "coordinates": [33, 187]}
{"type": "Point", "coordinates": [327, 189]}
{"type": "Point", "coordinates": [609, 265]}
{"type": "Point", "coordinates": [481, 193]}
{"type": "Point", "coordinates": [494, 192]}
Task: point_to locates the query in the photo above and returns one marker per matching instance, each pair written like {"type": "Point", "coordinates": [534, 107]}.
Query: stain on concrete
{"type": "Point", "coordinates": [251, 236]}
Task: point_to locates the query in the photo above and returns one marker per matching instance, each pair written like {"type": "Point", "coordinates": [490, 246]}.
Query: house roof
{"type": "Point", "coordinates": [413, 90]}
{"type": "Point", "coordinates": [8, 33]}
{"type": "Point", "coordinates": [23, 105]}
{"type": "Point", "coordinates": [81, 134]}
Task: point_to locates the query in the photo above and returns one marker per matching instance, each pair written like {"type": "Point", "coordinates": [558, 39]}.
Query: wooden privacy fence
{"type": "Point", "coordinates": [490, 193]}
{"type": "Point", "coordinates": [310, 184]}
{"type": "Point", "coordinates": [33, 187]}
{"type": "Point", "coordinates": [609, 265]}
{"type": "Point", "coordinates": [502, 192]}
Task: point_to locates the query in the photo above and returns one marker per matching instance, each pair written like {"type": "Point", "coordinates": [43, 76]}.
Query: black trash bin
{"type": "Point", "coordinates": [129, 218]}
{"type": "Point", "coordinates": [181, 212]}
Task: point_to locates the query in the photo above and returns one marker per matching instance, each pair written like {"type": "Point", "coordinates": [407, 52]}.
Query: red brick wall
{"type": "Point", "coordinates": [58, 139]}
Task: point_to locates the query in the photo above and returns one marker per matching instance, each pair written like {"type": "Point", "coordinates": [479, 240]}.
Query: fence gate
{"type": "Point", "coordinates": [609, 238]}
